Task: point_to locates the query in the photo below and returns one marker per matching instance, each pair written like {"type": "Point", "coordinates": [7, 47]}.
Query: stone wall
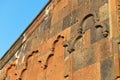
{"type": "Point", "coordinates": [68, 40]}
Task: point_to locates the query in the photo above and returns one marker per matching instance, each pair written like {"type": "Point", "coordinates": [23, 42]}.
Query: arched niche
{"type": "Point", "coordinates": [86, 23]}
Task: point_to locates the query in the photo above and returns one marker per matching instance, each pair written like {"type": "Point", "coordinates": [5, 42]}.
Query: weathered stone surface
{"type": "Point", "coordinates": [83, 58]}
{"type": "Point", "coordinates": [88, 22]}
{"type": "Point", "coordinates": [68, 40]}
{"type": "Point", "coordinates": [66, 53]}
{"type": "Point", "coordinates": [78, 44]}
{"type": "Point", "coordinates": [86, 39]}
{"type": "Point", "coordinates": [98, 30]}
{"type": "Point", "coordinates": [107, 69]}
{"type": "Point", "coordinates": [102, 49]}
{"type": "Point", "coordinates": [95, 5]}
{"type": "Point", "coordinates": [116, 65]}
{"type": "Point", "coordinates": [91, 72]}
{"type": "Point", "coordinates": [55, 29]}
{"type": "Point", "coordinates": [57, 13]}
{"type": "Point", "coordinates": [68, 68]}
{"type": "Point", "coordinates": [70, 19]}
{"type": "Point", "coordinates": [45, 25]}
{"type": "Point", "coordinates": [104, 12]}
{"type": "Point", "coordinates": [74, 30]}
{"type": "Point", "coordinates": [28, 46]}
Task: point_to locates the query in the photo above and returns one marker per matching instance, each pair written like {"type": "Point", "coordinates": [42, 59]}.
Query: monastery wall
{"type": "Point", "coordinates": [68, 40]}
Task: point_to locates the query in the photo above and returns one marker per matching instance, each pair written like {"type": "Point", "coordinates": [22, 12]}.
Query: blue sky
{"type": "Point", "coordinates": [15, 16]}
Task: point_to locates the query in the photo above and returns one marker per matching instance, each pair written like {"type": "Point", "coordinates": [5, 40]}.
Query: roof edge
{"type": "Point", "coordinates": [3, 59]}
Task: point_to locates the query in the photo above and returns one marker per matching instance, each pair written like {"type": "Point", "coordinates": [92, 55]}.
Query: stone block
{"type": "Point", "coordinates": [45, 24]}
{"type": "Point", "coordinates": [70, 19]}
{"type": "Point", "coordinates": [91, 72]}
{"type": "Point", "coordinates": [28, 46]}
{"type": "Point", "coordinates": [106, 69]}
{"type": "Point", "coordinates": [116, 65]}
{"type": "Point", "coordinates": [66, 10]}
{"type": "Point", "coordinates": [103, 2]}
{"type": "Point", "coordinates": [96, 4]}
{"type": "Point", "coordinates": [93, 35]}
{"type": "Point", "coordinates": [86, 39]}
{"type": "Point", "coordinates": [102, 49]}
{"type": "Point", "coordinates": [114, 22]}
{"type": "Point", "coordinates": [56, 28]}
{"type": "Point", "coordinates": [83, 58]}
{"type": "Point", "coordinates": [66, 53]}
{"type": "Point", "coordinates": [116, 46]}
{"type": "Point", "coordinates": [56, 66]}
{"type": "Point", "coordinates": [68, 68]}
{"type": "Point", "coordinates": [74, 30]}
{"type": "Point", "coordinates": [56, 11]}
{"type": "Point", "coordinates": [113, 7]}
{"type": "Point", "coordinates": [79, 44]}
{"type": "Point", "coordinates": [83, 7]}
{"type": "Point", "coordinates": [104, 12]}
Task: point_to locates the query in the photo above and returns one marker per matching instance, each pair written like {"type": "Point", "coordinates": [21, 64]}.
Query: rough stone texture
{"type": "Point", "coordinates": [55, 29]}
{"type": "Point", "coordinates": [83, 58]}
{"type": "Point", "coordinates": [70, 19]}
{"type": "Point", "coordinates": [68, 40]}
{"type": "Point", "coordinates": [107, 69]}
{"type": "Point", "coordinates": [91, 72]}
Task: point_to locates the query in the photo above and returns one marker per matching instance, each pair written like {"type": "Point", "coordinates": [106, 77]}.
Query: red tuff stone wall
{"type": "Point", "coordinates": [68, 40]}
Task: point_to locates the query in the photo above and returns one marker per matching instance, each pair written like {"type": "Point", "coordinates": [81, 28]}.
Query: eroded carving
{"type": "Point", "coordinates": [105, 31]}
{"type": "Point", "coordinates": [87, 22]}
{"type": "Point", "coordinates": [53, 45]}
{"type": "Point", "coordinates": [42, 59]}
{"type": "Point", "coordinates": [81, 30]}
{"type": "Point", "coordinates": [25, 64]}
{"type": "Point", "coordinates": [45, 59]}
{"type": "Point", "coordinates": [71, 46]}
{"type": "Point", "coordinates": [4, 77]}
{"type": "Point", "coordinates": [84, 23]}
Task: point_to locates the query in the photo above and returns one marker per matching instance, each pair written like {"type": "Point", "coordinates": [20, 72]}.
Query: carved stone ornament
{"type": "Point", "coordinates": [81, 31]}
{"type": "Point", "coordinates": [105, 30]}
